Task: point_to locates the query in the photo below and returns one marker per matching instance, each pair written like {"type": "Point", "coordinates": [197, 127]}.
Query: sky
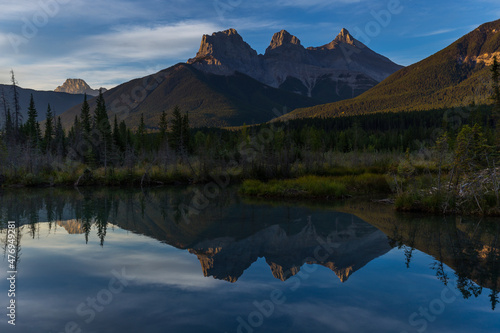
{"type": "Point", "coordinates": [110, 42]}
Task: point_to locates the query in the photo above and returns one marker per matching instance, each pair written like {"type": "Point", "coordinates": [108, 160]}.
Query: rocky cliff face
{"type": "Point", "coordinates": [343, 68]}
{"type": "Point", "coordinates": [77, 86]}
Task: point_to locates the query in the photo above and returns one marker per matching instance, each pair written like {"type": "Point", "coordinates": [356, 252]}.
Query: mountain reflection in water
{"type": "Point", "coordinates": [232, 234]}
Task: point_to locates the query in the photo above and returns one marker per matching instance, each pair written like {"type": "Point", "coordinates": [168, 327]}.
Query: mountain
{"type": "Point", "coordinates": [78, 86]}
{"type": "Point", "coordinates": [59, 102]}
{"type": "Point", "coordinates": [343, 68]}
{"type": "Point", "coordinates": [211, 100]}
{"type": "Point", "coordinates": [229, 84]}
{"type": "Point", "coordinates": [455, 76]}
{"type": "Point", "coordinates": [354, 244]}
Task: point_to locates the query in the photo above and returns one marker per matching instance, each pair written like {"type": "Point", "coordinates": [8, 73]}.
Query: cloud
{"type": "Point", "coordinates": [118, 55]}
{"type": "Point", "coordinates": [146, 43]}
{"type": "Point", "coordinates": [436, 32]}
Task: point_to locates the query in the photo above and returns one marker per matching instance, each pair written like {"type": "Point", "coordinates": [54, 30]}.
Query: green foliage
{"type": "Point", "coordinates": [470, 149]}
{"type": "Point", "coordinates": [85, 116]}
{"type": "Point", "coordinates": [32, 128]}
{"type": "Point", "coordinates": [317, 187]}
{"type": "Point", "coordinates": [180, 134]}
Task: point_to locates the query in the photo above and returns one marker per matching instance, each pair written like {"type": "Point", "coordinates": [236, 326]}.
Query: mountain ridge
{"type": "Point", "coordinates": [343, 68]}
{"type": "Point", "coordinates": [59, 101]}
{"type": "Point", "coordinates": [455, 76]}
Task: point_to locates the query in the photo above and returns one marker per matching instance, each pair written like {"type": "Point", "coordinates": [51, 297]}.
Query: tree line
{"type": "Point", "coordinates": [97, 140]}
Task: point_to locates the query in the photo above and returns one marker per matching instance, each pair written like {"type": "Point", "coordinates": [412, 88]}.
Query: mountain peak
{"type": "Point", "coordinates": [345, 37]}
{"type": "Point", "coordinates": [283, 38]}
{"type": "Point", "coordinates": [77, 86]}
{"type": "Point", "coordinates": [230, 32]}
{"type": "Point", "coordinates": [227, 42]}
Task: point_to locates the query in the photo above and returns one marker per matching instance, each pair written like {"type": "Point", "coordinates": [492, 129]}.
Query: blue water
{"type": "Point", "coordinates": [240, 266]}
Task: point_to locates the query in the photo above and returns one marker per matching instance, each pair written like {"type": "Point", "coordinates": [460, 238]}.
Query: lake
{"type": "Point", "coordinates": [171, 260]}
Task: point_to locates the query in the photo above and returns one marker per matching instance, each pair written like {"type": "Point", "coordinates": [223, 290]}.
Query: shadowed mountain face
{"type": "Point", "coordinates": [211, 100]}
{"type": "Point", "coordinates": [59, 101]}
{"type": "Point", "coordinates": [343, 68]}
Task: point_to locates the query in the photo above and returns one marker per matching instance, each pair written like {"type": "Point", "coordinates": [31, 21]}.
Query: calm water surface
{"type": "Point", "coordinates": [165, 261]}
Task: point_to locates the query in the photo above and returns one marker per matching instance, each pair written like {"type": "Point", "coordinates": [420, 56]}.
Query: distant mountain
{"type": "Point", "coordinates": [59, 102]}
{"type": "Point", "coordinates": [229, 84]}
{"type": "Point", "coordinates": [342, 69]}
{"type": "Point", "coordinates": [78, 86]}
{"type": "Point", "coordinates": [211, 100]}
{"type": "Point", "coordinates": [456, 76]}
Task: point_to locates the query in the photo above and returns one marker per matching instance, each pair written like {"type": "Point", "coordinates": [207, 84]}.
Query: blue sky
{"type": "Point", "coordinates": [109, 42]}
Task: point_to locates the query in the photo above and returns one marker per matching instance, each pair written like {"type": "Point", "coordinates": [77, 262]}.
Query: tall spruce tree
{"type": "Point", "coordinates": [17, 106]}
{"type": "Point", "coordinates": [5, 106]}
{"type": "Point", "coordinates": [32, 128]}
{"type": "Point", "coordinates": [85, 116]}
{"type": "Point", "coordinates": [179, 135]}
{"type": "Point", "coordinates": [49, 130]}
{"type": "Point", "coordinates": [141, 135]}
{"type": "Point", "coordinates": [60, 139]}
{"type": "Point", "coordinates": [103, 130]}
{"type": "Point", "coordinates": [163, 126]}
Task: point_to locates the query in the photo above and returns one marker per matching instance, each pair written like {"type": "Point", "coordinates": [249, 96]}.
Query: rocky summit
{"type": "Point", "coordinates": [77, 86]}
{"type": "Point", "coordinates": [341, 69]}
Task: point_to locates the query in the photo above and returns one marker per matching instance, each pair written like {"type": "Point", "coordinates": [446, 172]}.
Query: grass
{"type": "Point", "coordinates": [326, 187]}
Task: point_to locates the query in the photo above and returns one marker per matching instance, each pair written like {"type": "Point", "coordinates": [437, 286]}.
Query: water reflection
{"type": "Point", "coordinates": [230, 235]}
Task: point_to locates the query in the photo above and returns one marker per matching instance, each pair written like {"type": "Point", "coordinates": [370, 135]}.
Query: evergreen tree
{"type": "Point", "coordinates": [85, 116]}
{"type": "Point", "coordinates": [117, 138]}
{"type": "Point", "coordinates": [49, 130]}
{"type": "Point", "coordinates": [60, 139]}
{"type": "Point", "coordinates": [17, 106]}
{"type": "Point", "coordinates": [141, 135]}
{"type": "Point", "coordinates": [186, 134]}
{"type": "Point", "coordinates": [32, 128]}
{"type": "Point", "coordinates": [163, 126]}
{"type": "Point", "coordinates": [123, 130]}
{"type": "Point", "coordinates": [103, 130]}
{"type": "Point", "coordinates": [9, 125]}
{"type": "Point", "coordinates": [4, 104]}
{"type": "Point", "coordinates": [179, 136]}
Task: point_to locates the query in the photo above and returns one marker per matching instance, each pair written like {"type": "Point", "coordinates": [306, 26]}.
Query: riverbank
{"type": "Point", "coordinates": [411, 183]}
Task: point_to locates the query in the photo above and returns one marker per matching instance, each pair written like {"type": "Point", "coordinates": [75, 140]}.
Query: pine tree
{"type": "Point", "coordinates": [60, 139]}
{"type": "Point", "coordinates": [85, 116]}
{"type": "Point", "coordinates": [163, 126]}
{"type": "Point", "coordinates": [32, 128]}
{"type": "Point", "coordinates": [9, 125]}
{"type": "Point", "coordinates": [123, 130]}
{"type": "Point", "coordinates": [17, 106]}
{"type": "Point", "coordinates": [4, 104]}
{"type": "Point", "coordinates": [141, 135]}
{"type": "Point", "coordinates": [49, 130]}
{"type": "Point", "coordinates": [179, 136]}
{"type": "Point", "coordinates": [186, 133]}
{"type": "Point", "coordinates": [117, 138]}
{"type": "Point", "coordinates": [103, 130]}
